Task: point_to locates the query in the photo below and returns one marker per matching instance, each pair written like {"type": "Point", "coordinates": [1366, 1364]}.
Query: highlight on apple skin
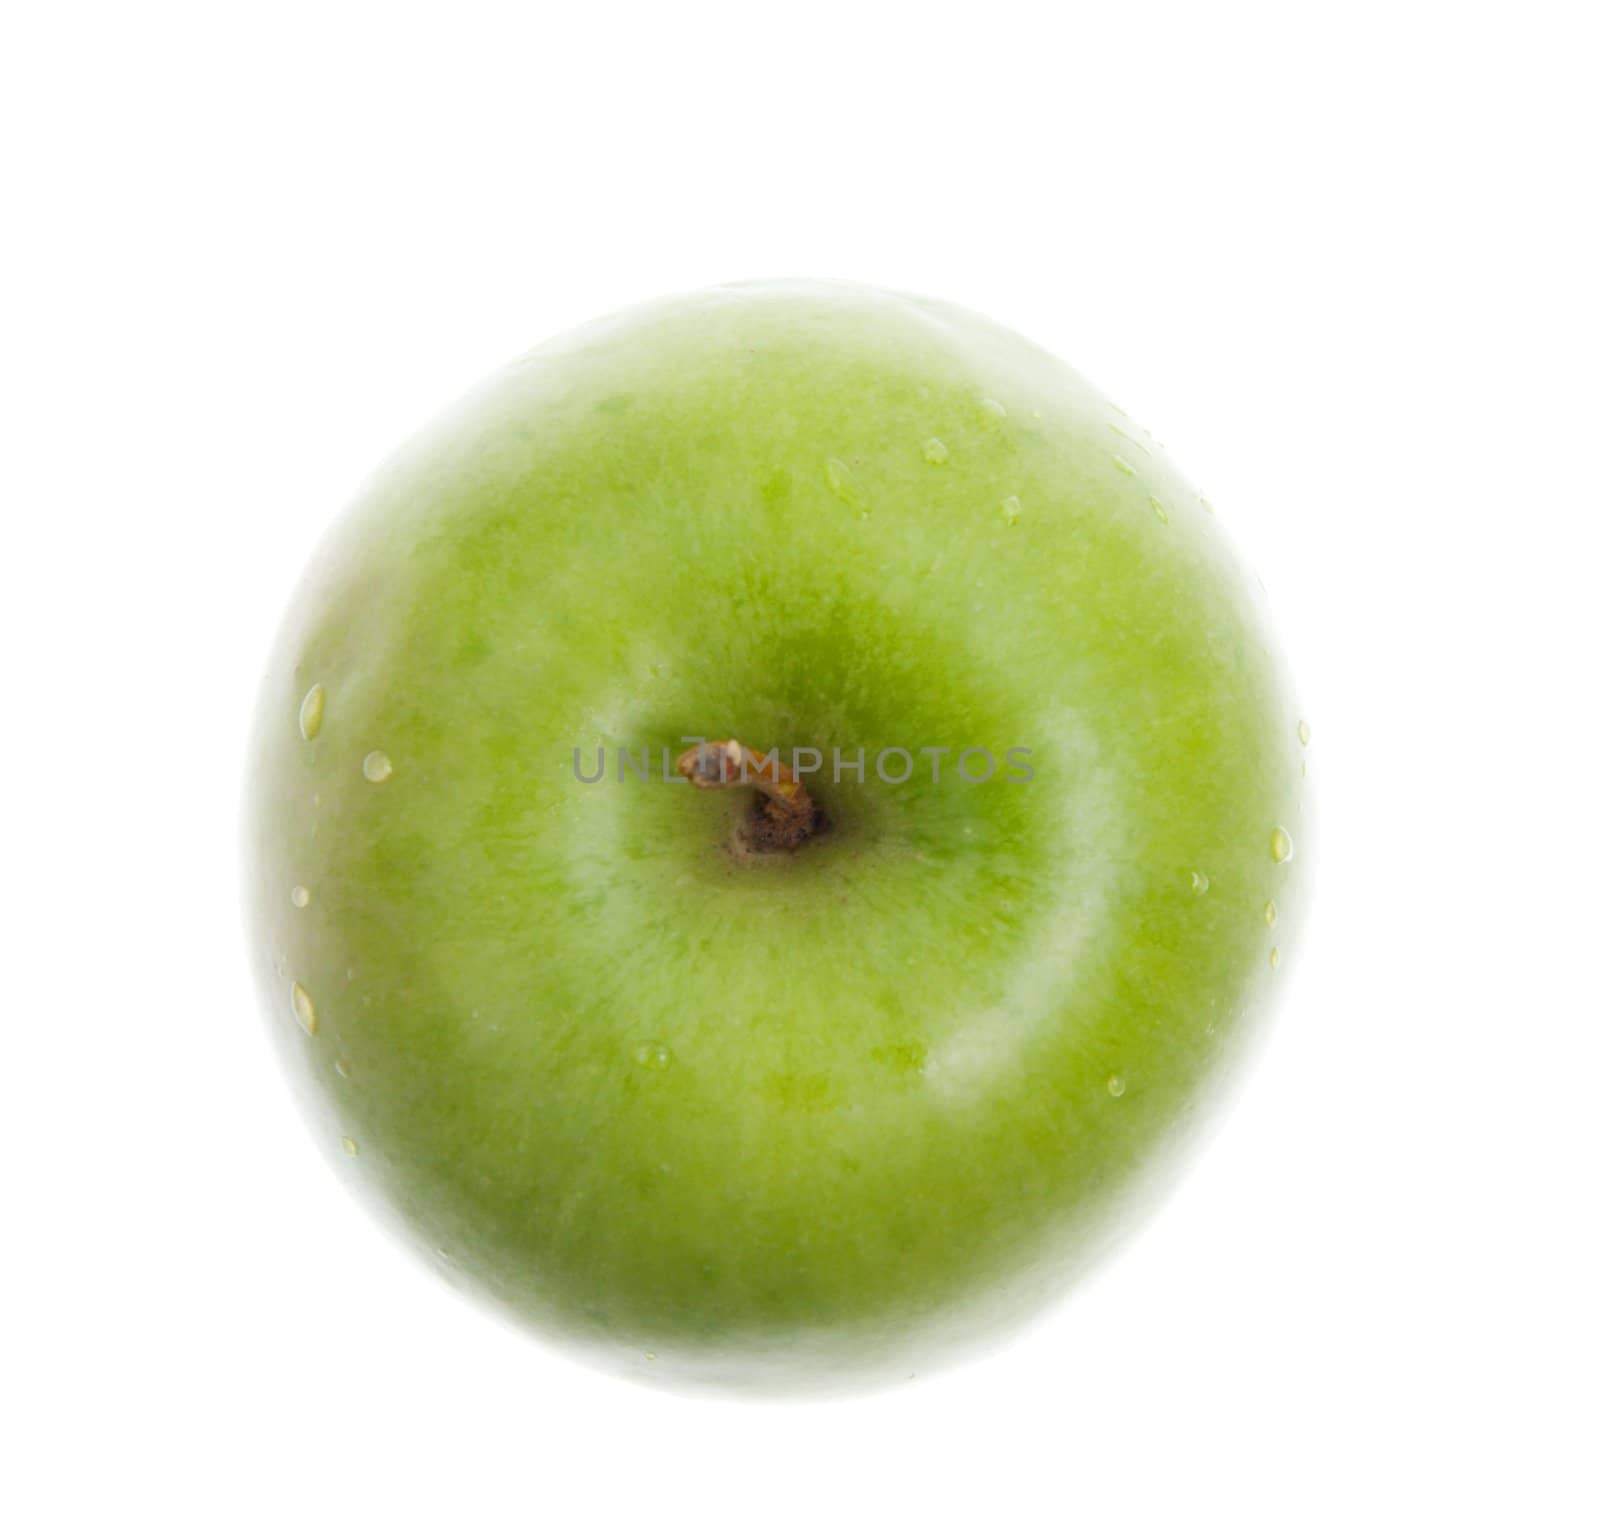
{"type": "Point", "coordinates": [814, 1077]}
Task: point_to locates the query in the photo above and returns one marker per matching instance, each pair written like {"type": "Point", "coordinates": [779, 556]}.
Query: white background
{"type": "Point", "coordinates": [1341, 259]}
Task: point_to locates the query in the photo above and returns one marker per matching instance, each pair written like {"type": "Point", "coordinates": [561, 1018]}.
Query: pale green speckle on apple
{"type": "Point", "coordinates": [839, 1107]}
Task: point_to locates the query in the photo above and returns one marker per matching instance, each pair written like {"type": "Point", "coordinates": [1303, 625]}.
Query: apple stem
{"type": "Point", "coordinates": [786, 816]}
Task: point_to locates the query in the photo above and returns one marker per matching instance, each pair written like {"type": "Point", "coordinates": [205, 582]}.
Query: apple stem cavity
{"type": "Point", "coordinates": [785, 815]}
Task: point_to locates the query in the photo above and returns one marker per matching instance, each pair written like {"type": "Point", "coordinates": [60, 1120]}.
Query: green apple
{"type": "Point", "coordinates": [713, 1100]}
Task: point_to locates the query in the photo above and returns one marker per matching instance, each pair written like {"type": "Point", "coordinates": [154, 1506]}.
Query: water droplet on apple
{"type": "Point", "coordinates": [340, 1069]}
{"type": "Point", "coordinates": [305, 1011]}
{"type": "Point", "coordinates": [377, 767]}
{"type": "Point", "coordinates": [1271, 914]}
{"type": "Point", "coordinates": [1304, 730]}
{"type": "Point", "coordinates": [1011, 510]}
{"type": "Point", "coordinates": [311, 713]}
{"type": "Point", "coordinates": [300, 897]}
{"type": "Point", "coordinates": [990, 413]}
{"type": "Point", "coordinates": [1116, 1087]}
{"type": "Point", "coordinates": [1274, 958]}
{"type": "Point", "coordinates": [1200, 882]}
{"type": "Point", "coordinates": [1207, 508]}
{"type": "Point", "coordinates": [1282, 846]}
{"type": "Point", "coordinates": [1122, 464]}
{"type": "Point", "coordinates": [843, 483]}
{"type": "Point", "coordinates": [350, 1147]}
{"type": "Point", "coordinates": [1159, 510]}
{"type": "Point", "coordinates": [652, 1055]}
{"type": "Point", "coordinates": [935, 452]}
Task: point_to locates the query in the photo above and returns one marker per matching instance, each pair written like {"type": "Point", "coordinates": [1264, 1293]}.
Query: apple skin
{"type": "Point", "coordinates": [812, 1119]}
